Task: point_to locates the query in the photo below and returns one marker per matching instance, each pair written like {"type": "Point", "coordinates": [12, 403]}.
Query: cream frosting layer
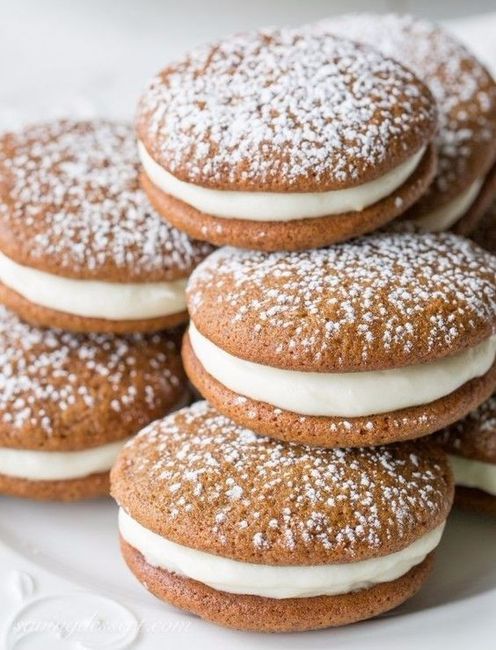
{"type": "Point", "coordinates": [348, 394]}
{"type": "Point", "coordinates": [271, 581]}
{"type": "Point", "coordinates": [447, 215]}
{"type": "Point", "coordinates": [474, 474]}
{"type": "Point", "coordinates": [58, 465]}
{"type": "Point", "coordinates": [94, 298]}
{"type": "Point", "coordinates": [278, 206]}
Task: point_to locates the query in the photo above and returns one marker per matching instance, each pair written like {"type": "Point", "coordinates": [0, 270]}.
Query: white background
{"type": "Point", "coordinates": [89, 57]}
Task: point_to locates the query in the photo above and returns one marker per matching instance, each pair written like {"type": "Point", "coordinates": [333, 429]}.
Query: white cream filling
{"type": "Point", "coordinates": [58, 465]}
{"type": "Point", "coordinates": [94, 298]}
{"type": "Point", "coordinates": [348, 394]}
{"type": "Point", "coordinates": [447, 215]}
{"type": "Point", "coordinates": [474, 473]}
{"type": "Point", "coordinates": [278, 206]}
{"type": "Point", "coordinates": [272, 581]}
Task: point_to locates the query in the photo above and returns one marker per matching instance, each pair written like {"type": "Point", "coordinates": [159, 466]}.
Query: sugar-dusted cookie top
{"type": "Point", "coordinates": [198, 479]}
{"type": "Point", "coordinates": [284, 110]}
{"type": "Point", "coordinates": [383, 301]}
{"type": "Point", "coordinates": [62, 391]}
{"type": "Point", "coordinates": [475, 435]}
{"type": "Point", "coordinates": [71, 204]}
{"type": "Point", "coordinates": [464, 91]}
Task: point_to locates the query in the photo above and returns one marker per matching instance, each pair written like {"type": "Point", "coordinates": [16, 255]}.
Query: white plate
{"type": "Point", "coordinates": [64, 586]}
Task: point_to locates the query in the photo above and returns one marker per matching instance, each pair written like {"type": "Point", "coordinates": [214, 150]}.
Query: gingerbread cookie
{"type": "Point", "coordinates": [68, 402]}
{"type": "Point", "coordinates": [284, 140]}
{"type": "Point", "coordinates": [466, 97]}
{"type": "Point", "coordinates": [260, 535]}
{"type": "Point", "coordinates": [80, 246]}
{"type": "Point", "coordinates": [471, 444]}
{"type": "Point", "coordinates": [383, 338]}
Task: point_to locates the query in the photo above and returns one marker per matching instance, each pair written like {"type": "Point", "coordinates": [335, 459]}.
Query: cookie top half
{"type": "Point", "coordinates": [284, 111]}
{"type": "Point", "coordinates": [464, 91]}
{"type": "Point", "coordinates": [475, 436]}
{"type": "Point", "coordinates": [383, 301]}
{"type": "Point", "coordinates": [64, 391]}
{"type": "Point", "coordinates": [71, 204]}
{"type": "Point", "coordinates": [199, 480]}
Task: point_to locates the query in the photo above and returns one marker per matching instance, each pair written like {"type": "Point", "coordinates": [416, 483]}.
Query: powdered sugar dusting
{"type": "Point", "coordinates": [52, 380]}
{"type": "Point", "coordinates": [465, 94]}
{"type": "Point", "coordinates": [384, 300]}
{"type": "Point", "coordinates": [69, 196]}
{"type": "Point", "coordinates": [276, 108]}
{"type": "Point", "coordinates": [291, 496]}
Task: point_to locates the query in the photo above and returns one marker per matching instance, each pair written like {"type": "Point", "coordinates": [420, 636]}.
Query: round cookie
{"type": "Point", "coordinates": [80, 246]}
{"type": "Point", "coordinates": [384, 338]}
{"type": "Point", "coordinates": [285, 140]}
{"type": "Point", "coordinates": [466, 98]}
{"type": "Point", "coordinates": [68, 402]}
{"type": "Point", "coordinates": [260, 535]}
{"type": "Point", "coordinates": [471, 444]}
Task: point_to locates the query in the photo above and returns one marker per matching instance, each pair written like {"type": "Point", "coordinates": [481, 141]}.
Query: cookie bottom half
{"type": "Point", "coordinates": [323, 431]}
{"type": "Point", "coordinates": [257, 614]}
{"type": "Point", "coordinates": [292, 235]}
{"type": "Point", "coordinates": [78, 489]}
{"type": "Point", "coordinates": [40, 316]}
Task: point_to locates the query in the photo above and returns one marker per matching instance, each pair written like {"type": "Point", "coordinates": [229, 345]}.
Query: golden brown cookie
{"type": "Point", "coordinates": [214, 514]}
{"type": "Point", "coordinates": [43, 317]}
{"type": "Point", "coordinates": [80, 246]}
{"type": "Point", "coordinates": [66, 490]}
{"type": "Point", "coordinates": [379, 339]}
{"type": "Point", "coordinates": [404, 424]}
{"type": "Point", "coordinates": [284, 139]}
{"type": "Point", "coordinates": [471, 444]}
{"type": "Point", "coordinates": [297, 235]}
{"type": "Point", "coordinates": [68, 402]}
{"type": "Point", "coordinates": [465, 94]}
{"type": "Point", "coordinates": [255, 614]}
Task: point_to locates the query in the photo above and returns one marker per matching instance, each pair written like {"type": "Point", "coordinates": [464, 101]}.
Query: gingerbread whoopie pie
{"type": "Point", "coordinates": [68, 403]}
{"type": "Point", "coordinates": [471, 444]}
{"type": "Point", "coordinates": [80, 246]}
{"type": "Point", "coordinates": [466, 98]}
{"type": "Point", "coordinates": [260, 535]}
{"type": "Point", "coordinates": [384, 338]}
{"type": "Point", "coordinates": [285, 140]}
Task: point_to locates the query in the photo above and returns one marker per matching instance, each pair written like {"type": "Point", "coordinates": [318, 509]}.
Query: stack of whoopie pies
{"type": "Point", "coordinates": [94, 273]}
{"type": "Point", "coordinates": [306, 491]}
{"type": "Point", "coordinates": [339, 325]}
